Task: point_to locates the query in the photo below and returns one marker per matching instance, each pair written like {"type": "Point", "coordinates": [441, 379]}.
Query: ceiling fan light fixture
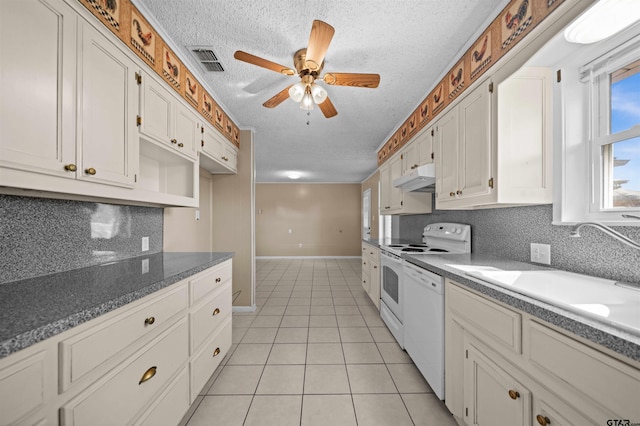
{"type": "Point", "coordinates": [318, 93]}
{"type": "Point", "coordinates": [307, 101]}
{"type": "Point", "coordinates": [296, 92]}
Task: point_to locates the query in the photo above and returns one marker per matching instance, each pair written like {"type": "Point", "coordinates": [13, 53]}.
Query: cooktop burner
{"type": "Point", "coordinates": [413, 250]}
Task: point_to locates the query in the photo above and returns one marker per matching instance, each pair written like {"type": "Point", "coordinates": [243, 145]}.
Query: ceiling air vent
{"type": "Point", "coordinates": [207, 59]}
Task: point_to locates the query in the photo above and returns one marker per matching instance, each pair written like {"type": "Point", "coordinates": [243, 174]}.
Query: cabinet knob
{"type": "Point", "coordinates": [149, 321]}
{"type": "Point", "coordinates": [542, 420]}
{"type": "Point", "coordinates": [173, 141]}
{"type": "Point", "coordinates": [375, 267]}
{"type": "Point", "coordinates": [180, 145]}
{"type": "Point", "coordinates": [216, 352]}
{"type": "Point", "coordinates": [71, 167]}
{"type": "Point", "coordinates": [201, 143]}
{"type": "Point", "coordinates": [148, 374]}
{"type": "Point", "coordinates": [514, 394]}
{"type": "Point", "coordinates": [452, 194]}
{"type": "Point", "coordinates": [90, 171]}
{"type": "Point", "coordinates": [216, 311]}
{"type": "Point", "coordinates": [458, 192]}
{"type": "Point", "coordinates": [225, 158]}
{"type": "Point", "coordinates": [364, 263]}
{"type": "Point", "coordinates": [218, 279]}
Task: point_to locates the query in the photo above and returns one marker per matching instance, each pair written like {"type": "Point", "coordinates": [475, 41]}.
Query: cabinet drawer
{"type": "Point", "coordinates": [168, 408]}
{"type": "Point", "coordinates": [122, 393]}
{"type": "Point", "coordinates": [605, 380]}
{"type": "Point", "coordinates": [210, 315]}
{"type": "Point", "coordinates": [205, 362]}
{"type": "Point", "coordinates": [207, 281]}
{"type": "Point", "coordinates": [22, 388]}
{"type": "Point", "coordinates": [90, 349]}
{"type": "Point", "coordinates": [495, 322]}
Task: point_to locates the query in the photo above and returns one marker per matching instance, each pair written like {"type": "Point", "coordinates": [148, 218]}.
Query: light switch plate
{"type": "Point", "coordinates": [145, 243]}
{"type": "Point", "coordinates": [541, 253]}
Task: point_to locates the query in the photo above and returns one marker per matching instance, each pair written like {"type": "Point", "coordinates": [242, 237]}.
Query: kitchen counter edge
{"type": "Point", "coordinates": [176, 267]}
{"type": "Point", "coordinates": [615, 339]}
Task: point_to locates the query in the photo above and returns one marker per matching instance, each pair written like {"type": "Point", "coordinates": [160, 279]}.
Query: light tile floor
{"type": "Point", "coordinates": [315, 352]}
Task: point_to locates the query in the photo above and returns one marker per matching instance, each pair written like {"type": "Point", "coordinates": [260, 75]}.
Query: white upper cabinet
{"type": "Point", "coordinates": [495, 151]}
{"type": "Point", "coordinates": [165, 119]}
{"type": "Point", "coordinates": [217, 155]}
{"type": "Point", "coordinates": [37, 86]}
{"type": "Point", "coordinates": [418, 151]}
{"type": "Point", "coordinates": [107, 132]}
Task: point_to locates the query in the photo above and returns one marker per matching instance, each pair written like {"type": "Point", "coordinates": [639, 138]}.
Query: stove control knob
{"type": "Point", "coordinates": [458, 231]}
{"type": "Point", "coordinates": [428, 228]}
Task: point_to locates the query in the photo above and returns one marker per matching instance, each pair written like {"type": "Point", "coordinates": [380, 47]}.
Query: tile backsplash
{"type": "Point", "coordinates": [508, 233]}
{"type": "Point", "coordinates": [40, 236]}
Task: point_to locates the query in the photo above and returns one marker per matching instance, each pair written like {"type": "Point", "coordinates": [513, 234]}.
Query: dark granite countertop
{"type": "Point", "coordinates": [35, 309]}
{"type": "Point", "coordinates": [454, 266]}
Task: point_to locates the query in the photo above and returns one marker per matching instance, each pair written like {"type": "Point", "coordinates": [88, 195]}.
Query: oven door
{"type": "Point", "coordinates": [391, 292]}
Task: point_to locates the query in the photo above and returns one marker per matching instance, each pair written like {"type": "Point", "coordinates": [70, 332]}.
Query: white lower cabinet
{"type": "Point", "coordinates": [118, 397]}
{"type": "Point", "coordinates": [371, 272]}
{"type": "Point", "coordinates": [143, 363]}
{"type": "Point", "coordinates": [492, 396]}
{"type": "Point", "coordinates": [504, 367]}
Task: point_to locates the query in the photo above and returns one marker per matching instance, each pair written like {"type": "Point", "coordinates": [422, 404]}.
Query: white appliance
{"type": "Point", "coordinates": [424, 324]}
{"type": "Point", "coordinates": [410, 300]}
{"type": "Point", "coordinates": [422, 178]}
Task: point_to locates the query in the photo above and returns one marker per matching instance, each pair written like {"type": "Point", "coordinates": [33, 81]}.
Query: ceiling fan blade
{"type": "Point", "coordinates": [354, 80]}
{"type": "Point", "coordinates": [319, 39]}
{"type": "Point", "coordinates": [328, 109]}
{"type": "Point", "coordinates": [278, 98]}
{"type": "Point", "coordinates": [261, 62]}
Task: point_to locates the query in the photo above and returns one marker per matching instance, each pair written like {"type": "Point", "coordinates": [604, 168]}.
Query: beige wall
{"type": "Point", "coordinates": [181, 230]}
{"type": "Point", "coordinates": [372, 183]}
{"type": "Point", "coordinates": [233, 220]}
{"type": "Point", "coordinates": [324, 218]}
{"type": "Point", "coordinates": [226, 221]}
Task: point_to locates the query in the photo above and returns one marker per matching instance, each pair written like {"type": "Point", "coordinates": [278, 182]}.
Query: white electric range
{"type": "Point", "coordinates": [437, 238]}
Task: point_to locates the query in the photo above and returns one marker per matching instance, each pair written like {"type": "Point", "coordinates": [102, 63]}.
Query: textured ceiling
{"type": "Point", "coordinates": [410, 43]}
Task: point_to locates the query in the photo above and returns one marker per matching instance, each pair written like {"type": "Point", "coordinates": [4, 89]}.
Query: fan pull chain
{"type": "Point", "coordinates": [308, 114]}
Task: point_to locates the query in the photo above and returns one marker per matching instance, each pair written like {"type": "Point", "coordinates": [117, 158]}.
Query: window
{"type": "Point", "coordinates": [616, 142]}
{"type": "Point", "coordinates": [596, 129]}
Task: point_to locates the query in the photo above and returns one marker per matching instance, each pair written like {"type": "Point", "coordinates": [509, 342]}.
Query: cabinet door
{"type": "Point", "coordinates": [37, 86]}
{"type": "Point", "coordinates": [425, 146]}
{"type": "Point", "coordinates": [187, 134]}
{"type": "Point", "coordinates": [156, 110]}
{"type": "Point", "coordinates": [474, 168]}
{"type": "Point", "coordinates": [492, 396]}
{"type": "Point", "coordinates": [107, 139]}
{"type": "Point", "coordinates": [395, 168]}
{"type": "Point", "coordinates": [374, 287]}
{"type": "Point", "coordinates": [410, 157]}
{"type": "Point", "coordinates": [446, 154]}
{"type": "Point", "coordinates": [385, 183]}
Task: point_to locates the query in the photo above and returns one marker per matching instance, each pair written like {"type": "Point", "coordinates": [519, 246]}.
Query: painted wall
{"type": "Point", "coordinates": [232, 220]}
{"type": "Point", "coordinates": [40, 236]}
{"type": "Point", "coordinates": [324, 219]}
{"type": "Point", "coordinates": [372, 183]}
{"type": "Point", "coordinates": [508, 232]}
{"type": "Point", "coordinates": [182, 231]}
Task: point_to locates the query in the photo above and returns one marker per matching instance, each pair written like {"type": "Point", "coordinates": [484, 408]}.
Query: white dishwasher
{"type": "Point", "coordinates": [424, 323]}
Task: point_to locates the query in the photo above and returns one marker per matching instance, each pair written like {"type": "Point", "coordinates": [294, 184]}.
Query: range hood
{"type": "Point", "coordinates": [422, 178]}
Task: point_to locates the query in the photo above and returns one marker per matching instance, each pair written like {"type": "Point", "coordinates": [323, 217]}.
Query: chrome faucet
{"type": "Point", "coordinates": [575, 231]}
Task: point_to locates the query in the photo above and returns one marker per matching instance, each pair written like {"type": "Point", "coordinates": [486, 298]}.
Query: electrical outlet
{"type": "Point", "coordinates": [300, 245]}
{"type": "Point", "coordinates": [541, 253]}
{"type": "Point", "coordinates": [145, 243]}
{"type": "Point", "coordinates": [145, 266]}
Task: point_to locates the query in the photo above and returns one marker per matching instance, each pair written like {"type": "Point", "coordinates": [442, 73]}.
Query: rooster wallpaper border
{"type": "Point", "coordinates": [511, 25]}
{"type": "Point", "coordinates": [118, 16]}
